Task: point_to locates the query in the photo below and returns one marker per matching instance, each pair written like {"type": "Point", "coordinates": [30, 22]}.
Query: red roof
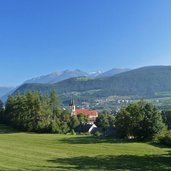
{"type": "Point", "coordinates": [86, 112]}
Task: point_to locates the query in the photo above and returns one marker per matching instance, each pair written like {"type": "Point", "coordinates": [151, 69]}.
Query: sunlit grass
{"type": "Point", "coordinates": [30, 151]}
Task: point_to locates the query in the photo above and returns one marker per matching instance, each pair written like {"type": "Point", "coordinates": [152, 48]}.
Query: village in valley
{"type": "Point", "coordinates": [85, 85]}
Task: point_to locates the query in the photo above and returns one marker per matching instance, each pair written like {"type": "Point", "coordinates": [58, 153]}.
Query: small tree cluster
{"type": "Point", "coordinates": [139, 120]}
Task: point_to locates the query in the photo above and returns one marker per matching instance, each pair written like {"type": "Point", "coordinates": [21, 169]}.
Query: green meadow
{"type": "Point", "coordinates": [30, 151]}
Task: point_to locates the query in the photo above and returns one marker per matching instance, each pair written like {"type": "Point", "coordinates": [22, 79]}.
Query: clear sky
{"type": "Point", "coordinates": [41, 36]}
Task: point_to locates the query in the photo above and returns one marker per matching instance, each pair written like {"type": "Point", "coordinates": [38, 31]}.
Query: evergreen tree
{"type": "Point", "coordinates": [65, 127]}
{"type": "Point", "coordinates": [74, 122]}
{"type": "Point", "coordinates": [1, 106]}
{"type": "Point", "coordinates": [1, 112]}
{"type": "Point", "coordinates": [54, 103]}
{"type": "Point", "coordinates": [167, 117]}
{"type": "Point", "coordinates": [56, 126]}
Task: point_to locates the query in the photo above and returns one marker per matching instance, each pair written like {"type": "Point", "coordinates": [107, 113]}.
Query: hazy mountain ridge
{"type": "Point", "coordinates": [56, 77]}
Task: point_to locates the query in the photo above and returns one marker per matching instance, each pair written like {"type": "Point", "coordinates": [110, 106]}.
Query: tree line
{"type": "Point", "coordinates": [39, 113]}
{"type": "Point", "coordinates": [36, 112]}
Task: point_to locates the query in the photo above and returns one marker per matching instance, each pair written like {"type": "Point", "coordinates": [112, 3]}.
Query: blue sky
{"type": "Point", "coordinates": [41, 36]}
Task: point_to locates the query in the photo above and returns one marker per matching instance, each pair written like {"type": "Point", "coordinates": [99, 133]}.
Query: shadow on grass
{"type": "Point", "coordinates": [4, 129]}
{"type": "Point", "coordinates": [122, 162]}
{"type": "Point", "coordinates": [155, 144]}
{"type": "Point", "coordinates": [91, 140]}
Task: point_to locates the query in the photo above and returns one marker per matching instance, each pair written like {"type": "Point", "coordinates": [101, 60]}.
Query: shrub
{"type": "Point", "coordinates": [98, 134]}
{"type": "Point", "coordinates": [165, 138]}
{"type": "Point", "coordinates": [73, 132]}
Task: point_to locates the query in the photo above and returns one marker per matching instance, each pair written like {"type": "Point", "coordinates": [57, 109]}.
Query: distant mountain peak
{"type": "Point", "coordinates": [113, 72]}
{"type": "Point", "coordinates": [55, 77]}
{"type": "Point", "coordinates": [94, 74]}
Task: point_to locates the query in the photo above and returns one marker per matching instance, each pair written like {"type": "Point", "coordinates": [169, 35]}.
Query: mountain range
{"type": "Point", "coordinates": [145, 82]}
{"type": "Point", "coordinates": [138, 83]}
{"type": "Point", "coordinates": [56, 77]}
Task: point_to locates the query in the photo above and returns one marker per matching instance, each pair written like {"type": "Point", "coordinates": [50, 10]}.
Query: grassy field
{"type": "Point", "coordinates": [29, 151]}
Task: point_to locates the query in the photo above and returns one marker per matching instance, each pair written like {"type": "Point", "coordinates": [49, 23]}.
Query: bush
{"type": "Point", "coordinates": [73, 132]}
{"type": "Point", "coordinates": [98, 134]}
{"type": "Point", "coordinates": [165, 138]}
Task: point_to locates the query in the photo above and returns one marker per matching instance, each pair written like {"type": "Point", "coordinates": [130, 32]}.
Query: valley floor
{"type": "Point", "coordinates": [29, 151]}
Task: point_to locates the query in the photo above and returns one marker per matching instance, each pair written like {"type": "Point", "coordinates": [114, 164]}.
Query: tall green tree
{"type": "Point", "coordinates": [167, 117]}
{"type": "Point", "coordinates": [74, 122]}
{"type": "Point", "coordinates": [1, 106]}
{"type": "Point", "coordinates": [55, 103]}
{"type": "Point", "coordinates": [1, 111]}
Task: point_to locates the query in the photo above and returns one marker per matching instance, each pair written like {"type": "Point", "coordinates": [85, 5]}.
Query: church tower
{"type": "Point", "coordinates": [72, 107]}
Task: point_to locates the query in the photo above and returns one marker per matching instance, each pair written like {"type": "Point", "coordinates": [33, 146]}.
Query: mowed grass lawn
{"type": "Point", "coordinates": [30, 151]}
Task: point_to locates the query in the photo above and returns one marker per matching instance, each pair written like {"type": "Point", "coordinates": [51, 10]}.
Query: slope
{"type": "Point", "coordinates": [142, 82]}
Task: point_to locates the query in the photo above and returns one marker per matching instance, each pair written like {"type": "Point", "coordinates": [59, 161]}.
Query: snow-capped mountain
{"type": "Point", "coordinates": [95, 74]}
{"type": "Point", "coordinates": [57, 76]}
{"type": "Point", "coordinates": [112, 72]}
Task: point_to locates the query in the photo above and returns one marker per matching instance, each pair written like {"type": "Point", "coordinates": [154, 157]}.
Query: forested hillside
{"type": "Point", "coordinates": [142, 82]}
